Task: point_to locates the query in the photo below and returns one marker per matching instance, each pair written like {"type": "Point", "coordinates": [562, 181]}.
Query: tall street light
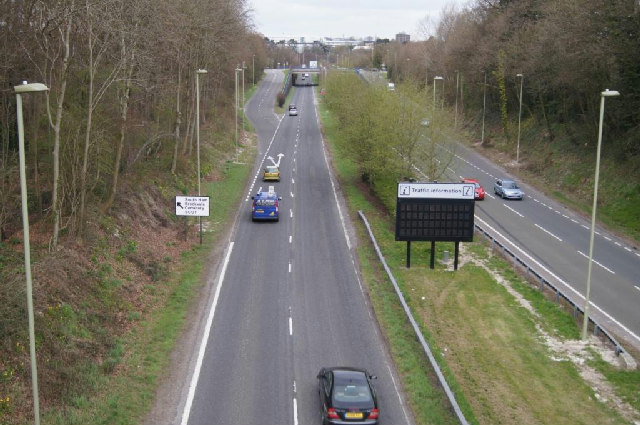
{"type": "Point", "coordinates": [484, 104]}
{"type": "Point", "coordinates": [437, 77]}
{"type": "Point", "coordinates": [519, 116]}
{"type": "Point", "coordinates": [236, 71]}
{"type": "Point", "coordinates": [585, 323]}
{"type": "Point", "coordinates": [455, 119]}
{"type": "Point", "coordinates": [243, 68]}
{"type": "Point", "coordinates": [198, 72]}
{"type": "Point", "coordinates": [28, 88]}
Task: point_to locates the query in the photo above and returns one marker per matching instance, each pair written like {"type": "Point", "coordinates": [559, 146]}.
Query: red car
{"type": "Point", "coordinates": [479, 189]}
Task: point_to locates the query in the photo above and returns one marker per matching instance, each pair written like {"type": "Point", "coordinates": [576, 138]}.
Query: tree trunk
{"type": "Point", "coordinates": [176, 142]}
{"type": "Point", "coordinates": [55, 199]}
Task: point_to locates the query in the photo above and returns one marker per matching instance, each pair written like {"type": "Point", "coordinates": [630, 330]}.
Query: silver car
{"type": "Point", "coordinates": [508, 189]}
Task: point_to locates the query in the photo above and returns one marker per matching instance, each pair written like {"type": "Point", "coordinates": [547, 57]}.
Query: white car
{"type": "Point", "coordinates": [293, 111]}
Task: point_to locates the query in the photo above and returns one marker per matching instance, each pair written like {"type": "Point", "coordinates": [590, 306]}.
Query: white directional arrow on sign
{"type": "Point", "coordinates": [280, 155]}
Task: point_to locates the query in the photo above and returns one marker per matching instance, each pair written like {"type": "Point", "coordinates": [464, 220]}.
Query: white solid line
{"type": "Point", "coordinates": [203, 342]}
{"type": "Point", "coordinates": [289, 267]}
{"type": "Point", "coordinates": [546, 231]}
{"type": "Point", "coordinates": [290, 238]}
{"type": "Point", "coordinates": [295, 412]}
{"type": "Point", "coordinates": [566, 285]}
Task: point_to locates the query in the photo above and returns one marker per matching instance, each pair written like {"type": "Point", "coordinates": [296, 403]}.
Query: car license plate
{"type": "Point", "coordinates": [353, 415]}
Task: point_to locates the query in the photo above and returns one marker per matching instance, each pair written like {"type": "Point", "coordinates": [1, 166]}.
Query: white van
{"type": "Point", "coordinates": [392, 87]}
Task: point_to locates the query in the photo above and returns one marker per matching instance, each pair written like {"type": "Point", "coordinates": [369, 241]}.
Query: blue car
{"type": "Point", "coordinates": [265, 205]}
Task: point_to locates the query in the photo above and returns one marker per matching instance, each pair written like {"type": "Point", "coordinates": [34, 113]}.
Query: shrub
{"type": "Point", "coordinates": [280, 98]}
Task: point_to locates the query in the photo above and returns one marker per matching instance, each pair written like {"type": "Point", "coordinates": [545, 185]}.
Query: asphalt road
{"type": "Point", "coordinates": [290, 300]}
{"type": "Point", "coordinates": [553, 238]}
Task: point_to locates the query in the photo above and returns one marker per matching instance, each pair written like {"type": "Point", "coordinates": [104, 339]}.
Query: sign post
{"type": "Point", "coordinates": [193, 206]}
{"type": "Point", "coordinates": [435, 212]}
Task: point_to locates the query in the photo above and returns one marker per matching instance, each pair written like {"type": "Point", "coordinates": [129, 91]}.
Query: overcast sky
{"type": "Point", "coordinates": [338, 18]}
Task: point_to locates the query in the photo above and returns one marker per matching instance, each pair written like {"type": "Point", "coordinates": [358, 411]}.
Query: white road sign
{"type": "Point", "coordinates": [195, 206]}
{"type": "Point", "coordinates": [436, 190]}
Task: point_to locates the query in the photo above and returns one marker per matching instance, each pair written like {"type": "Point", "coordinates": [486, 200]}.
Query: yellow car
{"type": "Point", "coordinates": [271, 172]}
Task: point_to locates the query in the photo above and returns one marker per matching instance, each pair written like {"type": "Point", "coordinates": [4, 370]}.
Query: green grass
{"type": "Point", "coordinates": [486, 343]}
{"type": "Point", "coordinates": [143, 353]}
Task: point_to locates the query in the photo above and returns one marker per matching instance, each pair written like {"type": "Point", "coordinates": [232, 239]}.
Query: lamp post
{"type": "Point", "coordinates": [484, 104]}
{"type": "Point", "coordinates": [455, 119]}
{"type": "Point", "coordinates": [437, 77]}
{"type": "Point", "coordinates": [236, 108]}
{"type": "Point", "coordinates": [519, 116]}
{"type": "Point", "coordinates": [28, 88]}
{"type": "Point", "coordinates": [198, 72]}
{"type": "Point", "coordinates": [585, 323]}
{"type": "Point", "coordinates": [243, 68]}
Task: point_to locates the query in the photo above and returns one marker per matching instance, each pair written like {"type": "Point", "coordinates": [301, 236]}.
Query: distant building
{"type": "Point", "coordinates": [403, 37]}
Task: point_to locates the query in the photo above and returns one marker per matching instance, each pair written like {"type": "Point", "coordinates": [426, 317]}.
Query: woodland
{"type": "Point", "coordinates": [119, 120]}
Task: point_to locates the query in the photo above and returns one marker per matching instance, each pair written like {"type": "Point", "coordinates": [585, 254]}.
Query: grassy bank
{"type": "Point", "coordinates": [495, 352]}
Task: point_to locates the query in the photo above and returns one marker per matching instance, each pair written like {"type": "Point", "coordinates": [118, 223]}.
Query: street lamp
{"type": "Point", "coordinates": [236, 73]}
{"type": "Point", "coordinates": [585, 323]}
{"type": "Point", "coordinates": [484, 105]}
{"type": "Point", "coordinates": [198, 72]}
{"type": "Point", "coordinates": [28, 88]}
{"type": "Point", "coordinates": [519, 116]}
{"type": "Point", "coordinates": [455, 119]}
{"type": "Point", "coordinates": [437, 77]}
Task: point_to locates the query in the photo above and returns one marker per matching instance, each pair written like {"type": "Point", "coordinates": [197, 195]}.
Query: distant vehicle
{"type": "Point", "coordinates": [347, 396]}
{"type": "Point", "coordinates": [293, 111]}
{"type": "Point", "coordinates": [479, 195]}
{"type": "Point", "coordinates": [265, 205]}
{"type": "Point", "coordinates": [306, 74]}
{"type": "Point", "coordinates": [271, 172]}
{"type": "Point", "coordinates": [508, 189]}
{"type": "Point", "coordinates": [391, 86]}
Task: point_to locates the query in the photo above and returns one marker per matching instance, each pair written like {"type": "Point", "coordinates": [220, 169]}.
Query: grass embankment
{"type": "Point", "coordinates": [490, 347]}
{"type": "Point", "coordinates": [565, 170]}
{"type": "Point", "coordinates": [125, 397]}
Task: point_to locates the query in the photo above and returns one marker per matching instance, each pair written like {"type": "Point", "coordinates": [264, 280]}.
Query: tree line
{"type": "Point", "coordinates": [567, 51]}
{"type": "Point", "coordinates": [121, 78]}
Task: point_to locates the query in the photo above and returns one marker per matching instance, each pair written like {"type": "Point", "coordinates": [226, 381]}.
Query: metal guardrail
{"type": "Point", "coordinates": [543, 282]}
{"type": "Point", "coordinates": [529, 271]}
{"type": "Point", "coordinates": [416, 328]}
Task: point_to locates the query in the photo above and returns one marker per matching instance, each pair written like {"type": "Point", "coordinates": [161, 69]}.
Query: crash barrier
{"type": "Point", "coordinates": [559, 296]}
{"type": "Point", "coordinates": [416, 328]}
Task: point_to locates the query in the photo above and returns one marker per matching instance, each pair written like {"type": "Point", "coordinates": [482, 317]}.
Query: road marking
{"type": "Point", "coordinates": [546, 231]}
{"type": "Point", "coordinates": [290, 238]}
{"type": "Point", "coordinates": [295, 411]}
{"type": "Point", "coordinates": [289, 267]}
{"type": "Point", "coordinates": [637, 287]}
{"type": "Point", "coordinates": [203, 343]}
{"type": "Point", "coordinates": [586, 227]}
{"type": "Point", "coordinates": [290, 213]}
{"type": "Point", "coordinates": [565, 284]}
{"type": "Point", "coordinates": [509, 208]}
{"type": "Point", "coordinates": [604, 267]}
{"type": "Point", "coordinates": [290, 326]}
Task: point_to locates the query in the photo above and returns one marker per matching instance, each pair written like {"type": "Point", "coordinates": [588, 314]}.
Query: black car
{"type": "Point", "coordinates": [347, 396]}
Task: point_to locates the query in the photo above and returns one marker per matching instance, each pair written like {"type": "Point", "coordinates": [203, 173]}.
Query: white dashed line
{"type": "Point", "coordinates": [509, 208]}
{"type": "Point", "coordinates": [595, 262]}
{"type": "Point", "coordinates": [289, 267]}
{"type": "Point", "coordinates": [547, 232]}
{"type": "Point", "coordinates": [290, 326]}
{"type": "Point", "coordinates": [586, 227]}
{"type": "Point", "coordinates": [637, 287]}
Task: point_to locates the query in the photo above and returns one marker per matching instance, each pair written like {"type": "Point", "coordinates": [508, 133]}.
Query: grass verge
{"type": "Point", "coordinates": [490, 347]}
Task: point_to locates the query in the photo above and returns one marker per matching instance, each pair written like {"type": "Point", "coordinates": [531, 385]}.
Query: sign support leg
{"type": "Point", "coordinates": [200, 218]}
{"type": "Point", "coordinates": [455, 261]}
{"type": "Point", "coordinates": [408, 254]}
{"type": "Point", "coordinates": [433, 255]}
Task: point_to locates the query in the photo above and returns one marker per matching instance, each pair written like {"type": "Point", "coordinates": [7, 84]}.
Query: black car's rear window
{"type": "Point", "coordinates": [351, 389]}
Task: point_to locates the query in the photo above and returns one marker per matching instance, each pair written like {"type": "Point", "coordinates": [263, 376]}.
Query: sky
{"type": "Point", "coordinates": [344, 18]}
